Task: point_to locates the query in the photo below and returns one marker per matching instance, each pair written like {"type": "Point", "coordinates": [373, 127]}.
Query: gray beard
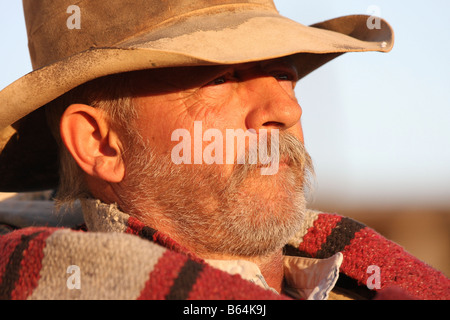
{"type": "Point", "coordinates": [244, 215]}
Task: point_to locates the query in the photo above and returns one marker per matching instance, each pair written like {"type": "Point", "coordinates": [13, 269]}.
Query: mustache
{"type": "Point", "coordinates": [286, 149]}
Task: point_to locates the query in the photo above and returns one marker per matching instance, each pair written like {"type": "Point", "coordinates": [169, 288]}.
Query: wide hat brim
{"type": "Point", "coordinates": [28, 158]}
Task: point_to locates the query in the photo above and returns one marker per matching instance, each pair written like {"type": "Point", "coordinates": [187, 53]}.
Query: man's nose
{"type": "Point", "coordinates": [273, 105]}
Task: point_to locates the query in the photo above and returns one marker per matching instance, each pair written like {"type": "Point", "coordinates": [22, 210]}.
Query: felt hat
{"type": "Point", "coordinates": [72, 44]}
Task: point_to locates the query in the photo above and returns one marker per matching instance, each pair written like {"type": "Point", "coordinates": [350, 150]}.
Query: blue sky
{"type": "Point", "coordinates": [376, 125]}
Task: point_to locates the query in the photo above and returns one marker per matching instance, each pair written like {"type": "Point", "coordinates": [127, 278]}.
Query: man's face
{"type": "Point", "coordinates": [222, 207]}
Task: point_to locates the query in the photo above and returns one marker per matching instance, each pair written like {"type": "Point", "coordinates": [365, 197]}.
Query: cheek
{"type": "Point", "coordinates": [156, 121]}
{"type": "Point", "coordinates": [185, 120]}
{"type": "Point", "coordinates": [216, 108]}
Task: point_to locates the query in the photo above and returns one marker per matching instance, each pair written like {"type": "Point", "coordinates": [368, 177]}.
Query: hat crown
{"type": "Point", "coordinates": [58, 29]}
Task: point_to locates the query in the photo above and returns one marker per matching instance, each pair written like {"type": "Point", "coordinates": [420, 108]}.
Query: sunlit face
{"type": "Point", "coordinates": [217, 207]}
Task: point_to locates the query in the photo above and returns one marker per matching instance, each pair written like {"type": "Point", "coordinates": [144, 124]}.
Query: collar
{"type": "Point", "coordinates": [305, 278]}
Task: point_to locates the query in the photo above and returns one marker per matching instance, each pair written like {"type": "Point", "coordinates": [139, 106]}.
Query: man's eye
{"type": "Point", "coordinates": [218, 81]}
{"type": "Point", "coordinates": [283, 77]}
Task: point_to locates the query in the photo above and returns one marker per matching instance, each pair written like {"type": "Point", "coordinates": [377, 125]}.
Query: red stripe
{"type": "Point", "coordinates": [134, 226]}
{"type": "Point", "coordinates": [213, 284]}
{"type": "Point", "coordinates": [162, 276]}
{"type": "Point", "coordinates": [31, 266]}
{"type": "Point", "coordinates": [397, 267]}
{"type": "Point", "coordinates": [8, 244]}
{"type": "Point", "coordinates": [318, 233]}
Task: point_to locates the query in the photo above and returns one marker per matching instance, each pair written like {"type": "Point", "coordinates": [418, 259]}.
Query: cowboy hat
{"type": "Point", "coordinates": [72, 44]}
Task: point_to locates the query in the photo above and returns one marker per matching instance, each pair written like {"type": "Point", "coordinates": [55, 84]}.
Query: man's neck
{"type": "Point", "coordinates": [271, 267]}
{"type": "Point", "coordinates": [272, 270]}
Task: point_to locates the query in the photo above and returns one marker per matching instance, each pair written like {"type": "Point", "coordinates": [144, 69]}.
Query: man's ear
{"type": "Point", "coordinates": [93, 144]}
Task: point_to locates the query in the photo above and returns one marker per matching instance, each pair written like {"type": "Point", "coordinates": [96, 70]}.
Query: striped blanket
{"type": "Point", "coordinates": [142, 263]}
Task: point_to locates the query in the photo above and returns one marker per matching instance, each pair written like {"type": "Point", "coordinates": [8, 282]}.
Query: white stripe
{"type": "Point", "coordinates": [112, 265]}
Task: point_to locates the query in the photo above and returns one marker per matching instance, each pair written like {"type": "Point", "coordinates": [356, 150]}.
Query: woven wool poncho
{"type": "Point", "coordinates": [124, 259]}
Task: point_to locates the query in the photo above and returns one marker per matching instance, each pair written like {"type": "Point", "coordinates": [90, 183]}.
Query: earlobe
{"type": "Point", "coordinates": [92, 143]}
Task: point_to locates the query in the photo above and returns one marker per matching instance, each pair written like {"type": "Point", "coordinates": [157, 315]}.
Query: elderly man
{"type": "Point", "coordinates": [178, 130]}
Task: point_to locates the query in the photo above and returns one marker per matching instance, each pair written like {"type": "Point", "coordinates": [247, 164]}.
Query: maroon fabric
{"type": "Point", "coordinates": [180, 275]}
{"type": "Point", "coordinates": [363, 247]}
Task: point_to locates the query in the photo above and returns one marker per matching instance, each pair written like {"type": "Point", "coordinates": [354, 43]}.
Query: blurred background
{"type": "Point", "coordinates": [376, 125]}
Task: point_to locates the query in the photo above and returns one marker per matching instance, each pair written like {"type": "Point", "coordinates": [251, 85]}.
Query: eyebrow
{"type": "Point", "coordinates": [287, 62]}
{"type": "Point", "coordinates": [169, 79]}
